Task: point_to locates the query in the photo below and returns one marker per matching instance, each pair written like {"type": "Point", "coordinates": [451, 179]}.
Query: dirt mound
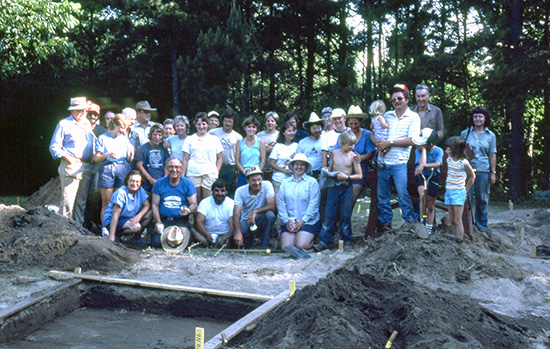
{"type": "Point", "coordinates": [39, 238]}
{"type": "Point", "coordinates": [349, 309]}
{"type": "Point", "coordinates": [435, 293]}
{"type": "Point", "coordinates": [48, 194]}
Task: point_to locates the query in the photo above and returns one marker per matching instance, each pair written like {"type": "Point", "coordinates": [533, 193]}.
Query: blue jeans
{"type": "Point", "coordinates": [399, 175]}
{"type": "Point", "coordinates": [481, 189]}
{"type": "Point", "coordinates": [265, 222]}
{"type": "Point", "coordinates": [339, 202]}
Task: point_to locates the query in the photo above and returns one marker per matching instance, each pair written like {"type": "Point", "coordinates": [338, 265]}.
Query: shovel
{"type": "Point", "coordinates": [296, 252]}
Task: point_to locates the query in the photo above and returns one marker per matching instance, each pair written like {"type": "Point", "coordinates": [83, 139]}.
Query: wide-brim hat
{"type": "Point", "coordinates": [252, 170]}
{"type": "Point", "coordinates": [426, 136]}
{"type": "Point", "coordinates": [144, 105]}
{"type": "Point", "coordinates": [174, 239]}
{"type": "Point", "coordinates": [355, 112]}
{"type": "Point", "coordinates": [299, 157]}
{"type": "Point", "coordinates": [314, 119]}
{"type": "Point", "coordinates": [338, 113]}
{"type": "Point", "coordinates": [78, 103]}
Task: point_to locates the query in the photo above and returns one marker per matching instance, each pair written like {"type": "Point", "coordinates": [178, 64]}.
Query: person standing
{"type": "Point", "coordinates": [144, 123]}
{"type": "Point", "coordinates": [150, 158]}
{"type": "Point", "coordinates": [313, 145]}
{"type": "Point", "coordinates": [73, 143]}
{"type": "Point", "coordinates": [484, 144]}
{"type": "Point", "coordinates": [229, 139]}
{"type": "Point", "coordinates": [269, 136]}
{"type": "Point", "coordinates": [430, 115]}
{"type": "Point", "coordinates": [202, 157]}
{"type": "Point", "coordinates": [174, 144]}
{"type": "Point", "coordinates": [403, 124]}
{"type": "Point", "coordinates": [250, 151]}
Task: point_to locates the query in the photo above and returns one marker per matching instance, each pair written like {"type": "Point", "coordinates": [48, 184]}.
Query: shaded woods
{"type": "Point", "coordinates": [256, 56]}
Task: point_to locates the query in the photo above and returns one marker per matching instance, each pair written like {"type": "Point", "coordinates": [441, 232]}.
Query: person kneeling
{"type": "Point", "coordinates": [128, 211]}
{"type": "Point", "coordinates": [298, 205]}
{"type": "Point", "coordinates": [214, 219]}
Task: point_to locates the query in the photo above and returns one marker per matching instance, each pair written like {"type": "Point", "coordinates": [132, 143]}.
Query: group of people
{"type": "Point", "coordinates": [218, 187]}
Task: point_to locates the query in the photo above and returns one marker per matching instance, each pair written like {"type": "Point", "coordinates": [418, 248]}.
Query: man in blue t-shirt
{"type": "Point", "coordinates": [150, 158]}
{"type": "Point", "coordinates": [174, 199]}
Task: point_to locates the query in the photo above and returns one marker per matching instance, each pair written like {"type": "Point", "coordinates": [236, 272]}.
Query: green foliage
{"type": "Point", "coordinates": [33, 31]}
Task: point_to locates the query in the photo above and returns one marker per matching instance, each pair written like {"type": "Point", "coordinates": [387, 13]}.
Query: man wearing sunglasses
{"type": "Point", "coordinates": [403, 124]}
{"type": "Point", "coordinates": [144, 123]}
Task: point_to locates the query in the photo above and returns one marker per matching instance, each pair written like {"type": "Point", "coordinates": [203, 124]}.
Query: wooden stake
{"type": "Point", "coordinates": [199, 338]}
{"type": "Point", "coordinates": [358, 208]}
{"type": "Point", "coordinates": [64, 275]}
{"type": "Point", "coordinates": [510, 205]}
{"type": "Point", "coordinates": [392, 338]}
{"type": "Point", "coordinates": [341, 245]}
{"type": "Point", "coordinates": [292, 288]}
{"type": "Point", "coordinates": [522, 233]}
{"type": "Point", "coordinates": [78, 270]}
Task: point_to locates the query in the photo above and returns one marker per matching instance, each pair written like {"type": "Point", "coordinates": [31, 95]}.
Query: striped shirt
{"type": "Point", "coordinates": [456, 174]}
{"type": "Point", "coordinates": [404, 127]}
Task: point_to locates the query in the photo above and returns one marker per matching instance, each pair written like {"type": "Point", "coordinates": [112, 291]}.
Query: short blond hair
{"type": "Point", "coordinates": [348, 138]}
{"type": "Point", "coordinates": [377, 108]}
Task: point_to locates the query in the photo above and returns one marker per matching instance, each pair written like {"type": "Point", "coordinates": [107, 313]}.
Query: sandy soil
{"type": "Point", "coordinates": [486, 292]}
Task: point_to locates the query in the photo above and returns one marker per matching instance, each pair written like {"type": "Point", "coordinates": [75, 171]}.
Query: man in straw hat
{"type": "Point", "coordinates": [174, 199]}
{"type": "Point", "coordinates": [73, 143]}
{"type": "Point", "coordinates": [312, 146]}
{"type": "Point", "coordinates": [144, 123]}
{"type": "Point", "coordinates": [254, 210]}
{"type": "Point", "coordinates": [403, 124]}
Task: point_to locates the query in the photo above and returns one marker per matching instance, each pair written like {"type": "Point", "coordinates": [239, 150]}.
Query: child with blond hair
{"type": "Point", "coordinates": [378, 124]}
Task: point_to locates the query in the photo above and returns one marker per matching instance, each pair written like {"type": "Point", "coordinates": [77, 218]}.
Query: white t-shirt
{"type": "Point", "coordinates": [216, 216]}
{"type": "Point", "coordinates": [331, 138]}
{"type": "Point", "coordinates": [202, 154]}
{"type": "Point", "coordinates": [282, 155]}
{"type": "Point", "coordinates": [229, 143]}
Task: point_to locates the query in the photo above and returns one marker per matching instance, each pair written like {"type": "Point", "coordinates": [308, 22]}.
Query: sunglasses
{"type": "Point", "coordinates": [397, 99]}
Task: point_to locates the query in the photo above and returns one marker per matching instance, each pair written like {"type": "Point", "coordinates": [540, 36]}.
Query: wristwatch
{"type": "Point", "coordinates": [492, 171]}
{"type": "Point", "coordinates": [391, 144]}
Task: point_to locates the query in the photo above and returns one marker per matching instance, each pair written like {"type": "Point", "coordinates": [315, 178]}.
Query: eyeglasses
{"type": "Point", "coordinates": [397, 99]}
{"type": "Point", "coordinates": [173, 167]}
{"type": "Point", "coordinates": [145, 111]}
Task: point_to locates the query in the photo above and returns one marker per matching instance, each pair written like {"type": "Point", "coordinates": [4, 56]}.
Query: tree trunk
{"type": "Point", "coordinates": [174, 66]}
{"type": "Point", "coordinates": [515, 104]}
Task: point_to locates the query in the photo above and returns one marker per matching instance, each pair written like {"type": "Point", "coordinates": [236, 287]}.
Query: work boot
{"type": "Point", "coordinates": [384, 229]}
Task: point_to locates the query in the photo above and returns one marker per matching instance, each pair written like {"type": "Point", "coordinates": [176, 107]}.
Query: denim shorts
{"type": "Point", "coordinates": [455, 197]}
{"type": "Point", "coordinates": [314, 229]}
{"type": "Point", "coordinates": [120, 224]}
{"type": "Point", "coordinates": [112, 175]}
{"type": "Point", "coordinates": [433, 184]}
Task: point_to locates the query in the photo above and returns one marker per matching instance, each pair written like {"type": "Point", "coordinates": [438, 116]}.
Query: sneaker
{"type": "Point", "coordinates": [104, 232]}
{"type": "Point", "coordinates": [318, 247]}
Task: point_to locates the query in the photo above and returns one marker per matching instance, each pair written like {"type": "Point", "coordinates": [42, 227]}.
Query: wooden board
{"type": "Point", "coordinates": [232, 331]}
{"type": "Point", "coordinates": [60, 275]}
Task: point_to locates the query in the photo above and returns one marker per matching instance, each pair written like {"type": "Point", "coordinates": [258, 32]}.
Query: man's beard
{"type": "Point", "coordinates": [218, 201]}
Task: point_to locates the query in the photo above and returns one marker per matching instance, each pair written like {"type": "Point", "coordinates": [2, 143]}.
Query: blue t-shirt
{"type": "Point", "coordinates": [312, 149]}
{"type": "Point", "coordinates": [130, 204]}
{"type": "Point", "coordinates": [153, 161]}
{"type": "Point", "coordinates": [363, 146]}
{"type": "Point", "coordinates": [434, 155]}
{"type": "Point", "coordinates": [173, 197]}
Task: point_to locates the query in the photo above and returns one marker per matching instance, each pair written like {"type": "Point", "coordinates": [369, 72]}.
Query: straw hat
{"type": "Point", "coordinates": [299, 157]}
{"type": "Point", "coordinates": [174, 239]}
{"type": "Point", "coordinates": [338, 113]}
{"type": "Point", "coordinates": [78, 103]}
{"type": "Point", "coordinates": [313, 120]}
{"type": "Point", "coordinates": [355, 112]}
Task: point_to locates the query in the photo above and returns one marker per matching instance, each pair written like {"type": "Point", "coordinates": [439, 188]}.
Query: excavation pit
{"type": "Point", "coordinates": [89, 314]}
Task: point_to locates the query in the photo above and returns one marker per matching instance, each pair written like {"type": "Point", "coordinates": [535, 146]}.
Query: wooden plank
{"type": "Point", "coordinates": [68, 275]}
{"type": "Point", "coordinates": [5, 313]}
{"type": "Point", "coordinates": [232, 331]}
